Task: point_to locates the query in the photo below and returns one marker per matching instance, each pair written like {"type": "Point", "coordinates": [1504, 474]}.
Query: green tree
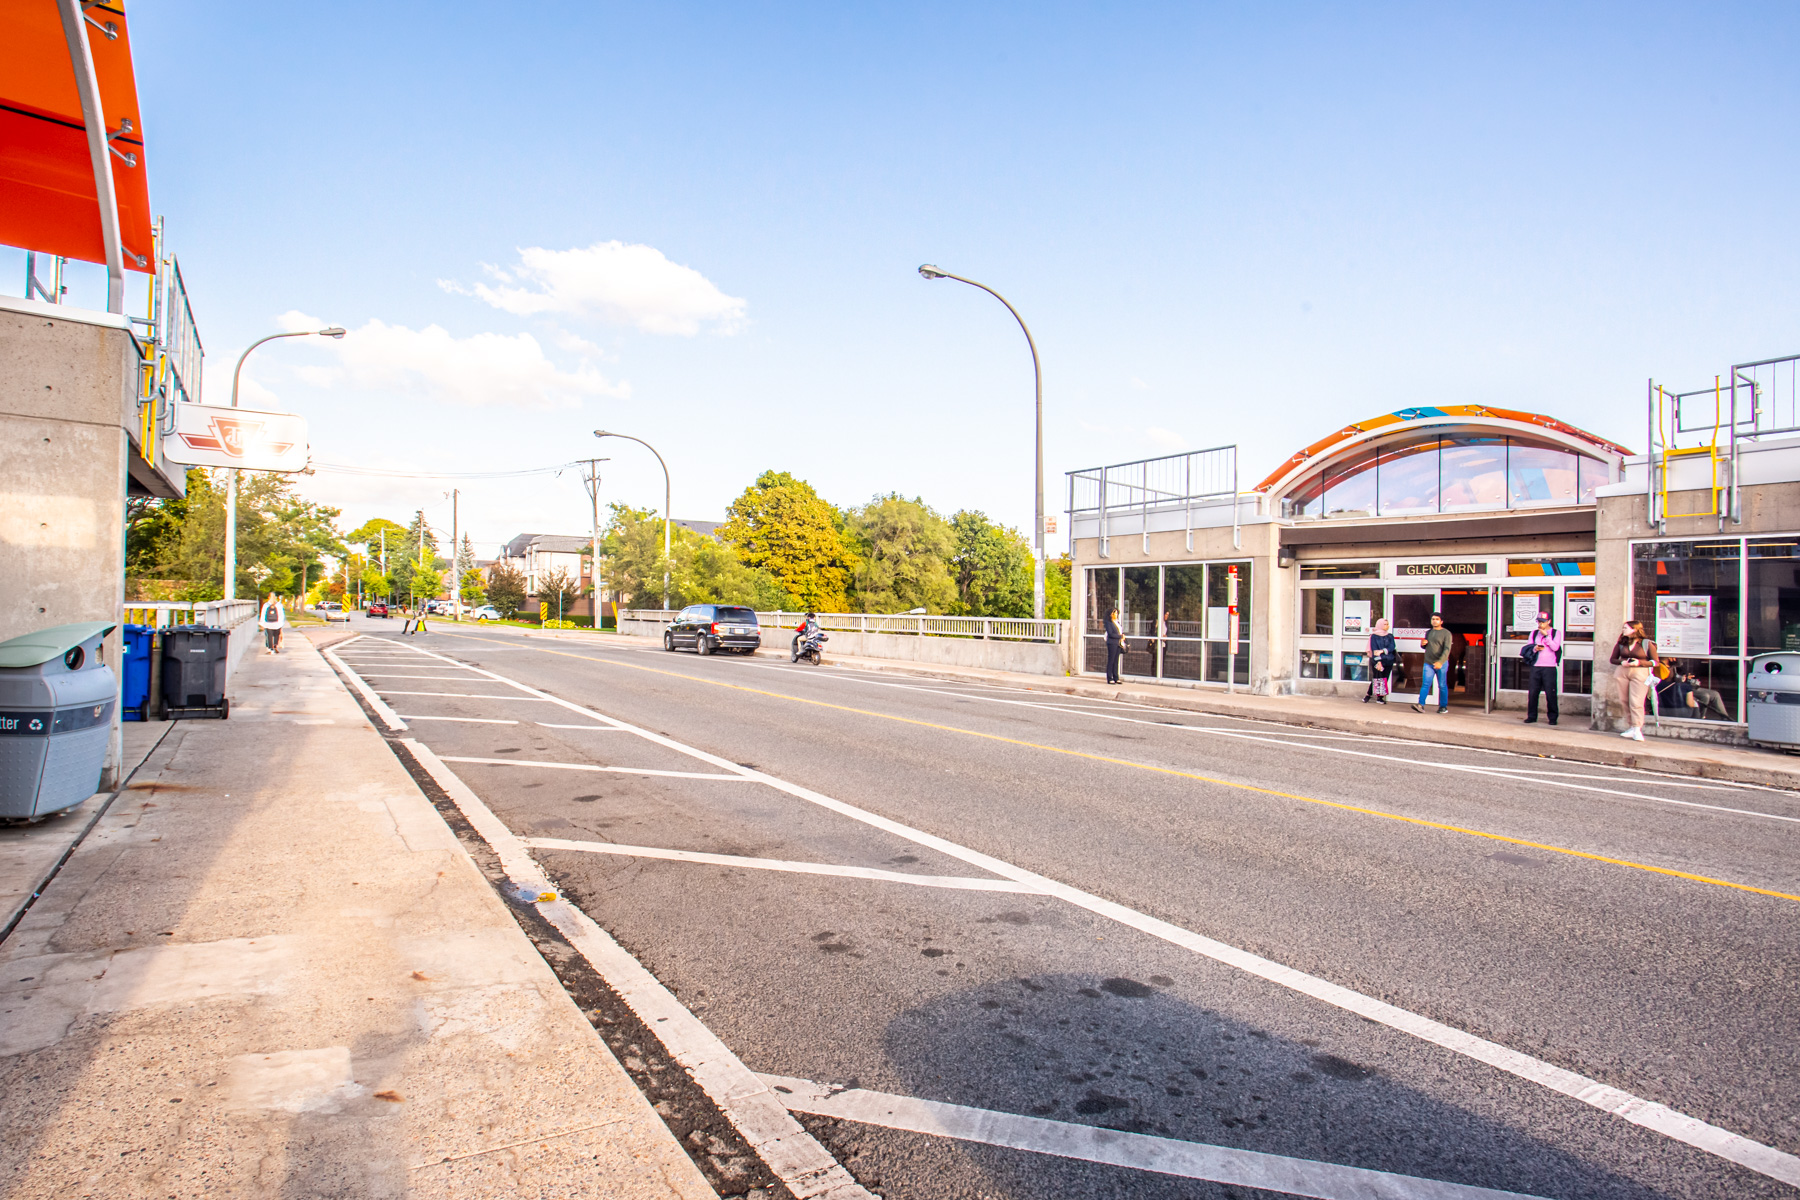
{"type": "Point", "coordinates": [418, 547]}
{"type": "Point", "coordinates": [992, 566]}
{"type": "Point", "coordinates": [780, 525]}
{"type": "Point", "coordinates": [1057, 588]}
{"type": "Point", "coordinates": [470, 578]}
{"type": "Point", "coordinates": [282, 538]}
{"type": "Point", "coordinates": [506, 587]}
{"type": "Point", "coordinates": [702, 571]}
{"type": "Point", "coordinates": [557, 592]}
{"type": "Point", "coordinates": [632, 548]}
{"type": "Point", "coordinates": [903, 551]}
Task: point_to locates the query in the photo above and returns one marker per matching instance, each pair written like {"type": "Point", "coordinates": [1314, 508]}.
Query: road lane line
{"type": "Point", "coordinates": [966, 883]}
{"type": "Point", "coordinates": [439, 678]}
{"type": "Point", "coordinates": [470, 720]}
{"type": "Point", "coordinates": [387, 715]}
{"type": "Point", "coordinates": [599, 728]}
{"type": "Point", "coordinates": [1648, 1114]}
{"type": "Point", "coordinates": [562, 766]}
{"type": "Point", "coordinates": [459, 695]}
{"type": "Point", "coordinates": [798, 1160]}
{"type": "Point", "coordinates": [1137, 1151]}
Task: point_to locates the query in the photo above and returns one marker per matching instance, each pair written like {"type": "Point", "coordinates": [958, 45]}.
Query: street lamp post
{"type": "Point", "coordinates": [231, 483]}
{"type": "Point", "coordinates": [602, 433]}
{"type": "Point", "coordinates": [1037, 375]}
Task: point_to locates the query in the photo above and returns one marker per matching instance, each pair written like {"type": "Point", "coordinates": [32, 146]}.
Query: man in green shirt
{"type": "Point", "coordinates": [1437, 662]}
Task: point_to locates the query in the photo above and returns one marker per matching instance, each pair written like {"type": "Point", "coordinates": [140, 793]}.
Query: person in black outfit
{"type": "Point", "coordinates": [1115, 646]}
{"type": "Point", "coordinates": [1384, 653]}
{"type": "Point", "coordinates": [1544, 651]}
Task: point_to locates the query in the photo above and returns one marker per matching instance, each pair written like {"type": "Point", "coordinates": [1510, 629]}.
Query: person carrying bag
{"type": "Point", "coordinates": [1634, 658]}
{"type": "Point", "coordinates": [1384, 653]}
{"type": "Point", "coordinates": [1542, 653]}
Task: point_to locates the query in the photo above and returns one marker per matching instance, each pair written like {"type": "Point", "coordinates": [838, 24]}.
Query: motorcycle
{"type": "Point", "coordinates": [807, 646]}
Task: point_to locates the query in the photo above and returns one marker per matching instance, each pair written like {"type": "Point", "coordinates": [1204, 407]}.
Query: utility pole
{"type": "Point", "coordinates": [593, 487]}
{"type": "Point", "coordinates": [455, 560]}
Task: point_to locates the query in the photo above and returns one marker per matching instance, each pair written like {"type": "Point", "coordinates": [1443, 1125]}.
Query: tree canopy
{"type": "Point", "coordinates": [904, 553]}
{"type": "Point", "coordinates": [282, 539]}
{"type": "Point", "coordinates": [782, 526]}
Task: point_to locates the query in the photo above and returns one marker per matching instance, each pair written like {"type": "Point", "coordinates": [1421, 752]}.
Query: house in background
{"type": "Point", "coordinates": [540, 555]}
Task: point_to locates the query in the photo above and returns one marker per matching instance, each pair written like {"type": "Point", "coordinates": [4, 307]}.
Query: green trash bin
{"type": "Point", "coordinates": [56, 710]}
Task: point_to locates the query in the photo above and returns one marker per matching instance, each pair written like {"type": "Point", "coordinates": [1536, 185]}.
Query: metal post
{"type": "Point", "coordinates": [1037, 376]}
{"type": "Point", "coordinates": [87, 84]}
{"type": "Point", "coordinates": [666, 489]}
{"type": "Point", "coordinates": [455, 557]}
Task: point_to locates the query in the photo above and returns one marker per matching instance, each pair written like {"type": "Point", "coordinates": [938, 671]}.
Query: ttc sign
{"type": "Point", "coordinates": [209, 436]}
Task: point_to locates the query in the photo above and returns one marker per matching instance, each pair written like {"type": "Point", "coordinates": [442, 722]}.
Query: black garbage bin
{"type": "Point", "coordinates": [193, 672]}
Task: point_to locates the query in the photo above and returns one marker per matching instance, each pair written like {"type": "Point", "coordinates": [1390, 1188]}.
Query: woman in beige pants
{"type": "Point", "coordinates": [1633, 660]}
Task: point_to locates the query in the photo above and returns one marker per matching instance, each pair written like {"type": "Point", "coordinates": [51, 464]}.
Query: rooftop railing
{"type": "Point", "coordinates": [1173, 482]}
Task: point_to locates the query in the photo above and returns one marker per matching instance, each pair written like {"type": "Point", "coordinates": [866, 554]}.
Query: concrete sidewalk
{"type": "Point", "coordinates": [272, 970]}
{"type": "Point", "coordinates": [1571, 740]}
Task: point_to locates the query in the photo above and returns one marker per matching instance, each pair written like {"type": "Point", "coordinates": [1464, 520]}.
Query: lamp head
{"type": "Point", "coordinates": [601, 433]}
{"type": "Point", "coordinates": [931, 272]}
{"type": "Point", "coordinates": [336, 331]}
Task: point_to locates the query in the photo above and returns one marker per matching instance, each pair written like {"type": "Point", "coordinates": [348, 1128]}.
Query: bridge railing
{"type": "Point", "coordinates": [161, 614]}
{"type": "Point", "coordinates": [1012, 629]}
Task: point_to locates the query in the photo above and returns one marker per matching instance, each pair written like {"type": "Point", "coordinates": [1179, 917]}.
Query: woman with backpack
{"type": "Point", "coordinates": [272, 620]}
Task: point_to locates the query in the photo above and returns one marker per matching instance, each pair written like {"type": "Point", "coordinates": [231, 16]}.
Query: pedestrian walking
{"type": "Point", "coordinates": [1438, 644]}
{"type": "Point", "coordinates": [1634, 657]}
{"type": "Point", "coordinates": [1384, 653]}
{"type": "Point", "coordinates": [415, 623]}
{"type": "Point", "coordinates": [1115, 646]}
{"type": "Point", "coordinates": [1542, 653]}
{"type": "Point", "coordinates": [272, 620]}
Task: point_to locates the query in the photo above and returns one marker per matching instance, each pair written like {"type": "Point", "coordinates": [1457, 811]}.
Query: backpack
{"type": "Point", "coordinates": [271, 614]}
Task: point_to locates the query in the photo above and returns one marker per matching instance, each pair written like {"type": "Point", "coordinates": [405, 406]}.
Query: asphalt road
{"type": "Point", "coordinates": [1637, 930]}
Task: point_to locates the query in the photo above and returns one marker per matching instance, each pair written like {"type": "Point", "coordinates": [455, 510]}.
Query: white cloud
{"type": "Point", "coordinates": [1139, 384]}
{"type": "Point", "coordinates": [485, 369]}
{"type": "Point", "coordinates": [1168, 439]}
{"type": "Point", "coordinates": [624, 284]}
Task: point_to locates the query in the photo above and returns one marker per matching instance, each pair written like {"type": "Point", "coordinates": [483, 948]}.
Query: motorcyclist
{"type": "Point", "coordinates": [808, 636]}
{"type": "Point", "coordinates": [809, 626]}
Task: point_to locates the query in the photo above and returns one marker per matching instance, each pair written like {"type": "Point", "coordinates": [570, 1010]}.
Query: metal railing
{"type": "Point", "coordinates": [161, 614]}
{"type": "Point", "coordinates": [1009, 629]}
{"type": "Point", "coordinates": [171, 355]}
{"type": "Point", "coordinates": [1756, 400]}
{"type": "Point", "coordinates": [1166, 484]}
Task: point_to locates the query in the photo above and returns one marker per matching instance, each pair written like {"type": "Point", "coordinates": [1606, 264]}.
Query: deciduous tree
{"type": "Point", "coordinates": [991, 566]}
{"type": "Point", "coordinates": [782, 526]}
{"type": "Point", "coordinates": [903, 551]}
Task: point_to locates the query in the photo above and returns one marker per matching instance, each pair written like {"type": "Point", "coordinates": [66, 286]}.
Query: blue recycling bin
{"type": "Point", "coordinates": [134, 668]}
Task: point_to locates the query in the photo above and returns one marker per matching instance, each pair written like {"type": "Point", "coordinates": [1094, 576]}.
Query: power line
{"type": "Point", "coordinates": [383, 472]}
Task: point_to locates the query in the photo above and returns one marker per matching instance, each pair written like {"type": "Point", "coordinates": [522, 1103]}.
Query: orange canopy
{"type": "Point", "coordinates": [48, 201]}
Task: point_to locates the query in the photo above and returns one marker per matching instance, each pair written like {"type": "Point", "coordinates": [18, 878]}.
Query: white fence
{"type": "Point", "coordinates": [1010, 629]}
{"type": "Point", "coordinates": [161, 614]}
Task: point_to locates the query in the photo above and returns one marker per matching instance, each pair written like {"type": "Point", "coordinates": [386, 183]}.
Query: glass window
{"type": "Point", "coordinates": [1687, 595]}
{"type": "Point", "coordinates": [1550, 566]}
{"type": "Point", "coordinates": [1315, 664]}
{"type": "Point", "coordinates": [1578, 616]}
{"type": "Point", "coordinates": [1406, 479]}
{"type": "Point", "coordinates": [1350, 487]}
{"type": "Point", "coordinates": [1221, 653]}
{"type": "Point", "coordinates": [1375, 598]}
{"type": "Point", "coordinates": [1593, 474]}
{"type": "Point", "coordinates": [1772, 608]}
{"type": "Point", "coordinates": [1472, 473]}
{"type": "Point", "coordinates": [1184, 602]}
{"type": "Point", "coordinates": [1519, 608]}
{"type": "Point", "coordinates": [1578, 676]}
{"type": "Point", "coordinates": [1102, 597]}
{"type": "Point", "coordinates": [1317, 609]}
{"type": "Point", "coordinates": [1355, 667]}
{"type": "Point", "coordinates": [1540, 475]}
{"type": "Point", "coordinates": [1141, 602]}
{"type": "Point", "coordinates": [1703, 690]}
{"type": "Point", "coordinates": [1342, 571]}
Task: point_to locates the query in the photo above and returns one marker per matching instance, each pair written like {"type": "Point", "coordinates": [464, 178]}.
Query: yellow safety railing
{"type": "Point", "coordinates": [1670, 451]}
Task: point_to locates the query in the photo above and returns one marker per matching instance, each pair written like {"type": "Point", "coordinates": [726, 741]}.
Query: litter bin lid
{"type": "Point", "coordinates": [1778, 672]}
{"type": "Point", "coordinates": [36, 649]}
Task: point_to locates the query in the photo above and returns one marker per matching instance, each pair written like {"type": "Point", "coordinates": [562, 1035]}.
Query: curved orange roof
{"type": "Point", "coordinates": [48, 201]}
{"type": "Point", "coordinates": [1426, 413]}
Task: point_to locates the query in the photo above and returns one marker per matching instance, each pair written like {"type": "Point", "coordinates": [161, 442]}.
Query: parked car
{"type": "Point", "coordinates": [329, 606]}
{"type": "Point", "coordinates": [486, 612]}
{"type": "Point", "coordinates": [708, 627]}
{"type": "Point", "coordinates": [377, 608]}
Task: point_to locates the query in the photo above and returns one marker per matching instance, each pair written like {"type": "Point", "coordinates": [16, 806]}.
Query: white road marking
{"type": "Point", "coordinates": [439, 678]}
{"type": "Point", "coordinates": [459, 695]}
{"type": "Point", "coordinates": [963, 882]}
{"type": "Point", "coordinates": [562, 766]}
{"type": "Point", "coordinates": [1138, 1151]}
{"type": "Point", "coordinates": [1385, 758]}
{"type": "Point", "coordinates": [1734, 1147]}
{"type": "Point", "coordinates": [387, 715]}
{"type": "Point", "coordinates": [470, 720]}
{"type": "Point", "coordinates": [600, 728]}
{"type": "Point", "coordinates": [806, 1167]}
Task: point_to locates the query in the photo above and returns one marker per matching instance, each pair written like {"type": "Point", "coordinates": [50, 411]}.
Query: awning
{"type": "Point", "coordinates": [49, 200]}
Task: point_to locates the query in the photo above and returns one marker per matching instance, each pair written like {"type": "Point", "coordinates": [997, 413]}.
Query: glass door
{"type": "Point", "coordinates": [1410, 611]}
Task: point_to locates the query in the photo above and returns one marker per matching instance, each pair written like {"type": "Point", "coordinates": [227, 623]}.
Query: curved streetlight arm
{"type": "Point", "coordinates": [333, 331]}
{"type": "Point", "coordinates": [603, 433]}
{"type": "Point", "coordinates": [1037, 378]}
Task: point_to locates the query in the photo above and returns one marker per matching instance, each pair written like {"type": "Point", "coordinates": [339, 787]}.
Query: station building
{"type": "Point", "coordinates": [1486, 515]}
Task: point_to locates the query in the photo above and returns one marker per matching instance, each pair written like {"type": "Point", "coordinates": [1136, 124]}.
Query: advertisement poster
{"type": "Point", "coordinates": [1356, 617]}
{"type": "Point", "coordinates": [1683, 625]}
{"type": "Point", "coordinates": [1581, 612]}
{"type": "Point", "coordinates": [1526, 607]}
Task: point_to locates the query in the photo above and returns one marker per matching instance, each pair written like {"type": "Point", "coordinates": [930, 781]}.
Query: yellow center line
{"type": "Point", "coordinates": [1125, 762]}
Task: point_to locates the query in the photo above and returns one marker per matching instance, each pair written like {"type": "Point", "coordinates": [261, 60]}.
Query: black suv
{"type": "Point", "coordinates": [709, 627]}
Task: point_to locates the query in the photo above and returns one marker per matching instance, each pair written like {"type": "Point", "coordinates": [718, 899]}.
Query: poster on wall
{"type": "Point", "coordinates": [1526, 607]}
{"type": "Point", "coordinates": [1356, 617]}
{"type": "Point", "coordinates": [1683, 625]}
{"type": "Point", "coordinates": [1581, 612]}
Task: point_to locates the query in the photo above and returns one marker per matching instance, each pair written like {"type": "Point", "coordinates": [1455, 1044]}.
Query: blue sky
{"type": "Point", "coordinates": [1246, 224]}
